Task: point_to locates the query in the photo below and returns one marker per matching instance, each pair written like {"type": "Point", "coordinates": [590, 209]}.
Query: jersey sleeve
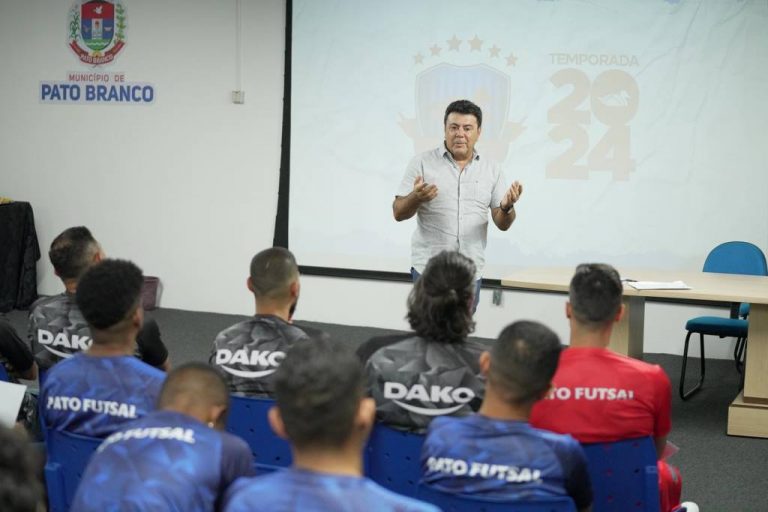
{"type": "Point", "coordinates": [13, 348]}
{"type": "Point", "coordinates": [153, 350]}
{"type": "Point", "coordinates": [499, 188]}
{"type": "Point", "coordinates": [236, 460]}
{"type": "Point", "coordinates": [411, 172]}
{"type": "Point", "coordinates": [577, 482]}
{"type": "Point", "coordinates": [662, 423]}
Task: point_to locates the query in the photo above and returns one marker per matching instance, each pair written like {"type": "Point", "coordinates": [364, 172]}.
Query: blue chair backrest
{"type": "Point", "coordinates": [4, 374]}
{"type": "Point", "coordinates": [248, 420]}
{"type": "Point", "coordinates": [392, 459]}
{"type": "Point", "coordinates": [736, 258]}
{"type": "Point", "coordinates": [624, 475]}
{"type": "Point", "coordinates": [462, 503]}
{"type": "Point", "coordinates": [68, 456]}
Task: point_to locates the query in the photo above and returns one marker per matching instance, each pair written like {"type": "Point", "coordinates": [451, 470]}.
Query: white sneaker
{"type": "Point", "coordinates": [689, 506]}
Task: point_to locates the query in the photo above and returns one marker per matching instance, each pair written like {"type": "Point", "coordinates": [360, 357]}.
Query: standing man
{"type": "Point", "coordinates": [450, 190]}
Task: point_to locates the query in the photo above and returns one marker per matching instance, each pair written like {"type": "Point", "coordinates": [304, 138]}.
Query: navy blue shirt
{"type": "Point", "coordinates": [294, 489]}
{"type": "Point", "coordinates": [166, 461]}
{"type": "Point", "coordinates": [503, 459]}
{"type": "Point", "coordinates": [94, 396]}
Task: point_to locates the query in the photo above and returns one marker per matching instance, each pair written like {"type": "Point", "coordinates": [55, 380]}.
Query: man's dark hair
{"type": "Point", "coordinates": [109, 292]}
{"type": "Point", "coordinates": [20, 490]}
{"type": "Point", "coordinates": [464, 107]}
{"type": "Point", "coordinates": [595, 294]}
{"type": "Point", "coordinates": [272, 270]}
{"type": "Point", "coordinates": [440, 303]}
{"type": "Point", "coordinates": [196, 380]}
{"type": "Point", "coordinates": [523, 361]}
{"type": "Point", "coordinates": [318, 388]}
{"type": "Point", "coordinates": [72, 251]}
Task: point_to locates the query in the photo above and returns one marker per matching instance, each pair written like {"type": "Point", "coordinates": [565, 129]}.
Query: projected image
{"type": "Point", "coordinates": [633, 126]}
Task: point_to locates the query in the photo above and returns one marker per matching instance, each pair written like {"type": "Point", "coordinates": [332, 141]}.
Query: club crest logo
{"type": "Point", "coordinates": [97, 30]}
{"type": "Point", "coordinates": [463, 69]}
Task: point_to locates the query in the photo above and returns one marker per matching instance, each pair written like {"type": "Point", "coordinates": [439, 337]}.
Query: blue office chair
{"type": "Point", "coordinates": [624, 475]}
{"type": "Point", "coordinates": [463, 502]}
{"type": "Point", "coordinates": [392, 459]}
{"type": "Point", "coordinates": [248, 420]}
{"type": "Point", "coordinates": [726, 258]}
{"type": "Point", "coordinates": [68, 456]}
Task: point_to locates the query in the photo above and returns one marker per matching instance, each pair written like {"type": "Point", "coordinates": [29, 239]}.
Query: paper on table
{"type": "Point", "coordinates": [658, 285]}
{"type": "Point", "coordinates": [11, 396]}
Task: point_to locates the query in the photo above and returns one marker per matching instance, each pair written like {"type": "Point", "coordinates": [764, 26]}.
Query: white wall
{"type": "Point", "coordinates": [187, 187]}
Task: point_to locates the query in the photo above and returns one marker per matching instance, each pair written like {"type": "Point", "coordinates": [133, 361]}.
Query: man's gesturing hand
{"type": "Point", "coordinates": [422, 191]}
{"type": "Point", "coordinates": [512, 195]}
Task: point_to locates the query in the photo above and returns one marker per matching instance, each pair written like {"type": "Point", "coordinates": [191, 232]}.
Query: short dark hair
{"type": "Point", "coordinates": [440, 303]}
{"type": "Point", "coordinates": [109, 292]}
{"type": "Point", "coordinates": [72, 251]}
{"type": "Point", "coordinates": [523, 361]}
{"type": "Point", "coordinates": [199, 380]}
{"type": "Point", "coordinates": [464, 107]}
{"type": "Point", "coordinates": [272, 270]}
{"type": "Point", "coordinates": [595, 294]}
{"type": "Point", "coordinates": [20, 489]}
{"type": "Point", "coordinates": [318, 389]}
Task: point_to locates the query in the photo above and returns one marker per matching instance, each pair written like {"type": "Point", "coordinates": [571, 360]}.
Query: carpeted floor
{"type": "Point", "coordinates": [720, 473]}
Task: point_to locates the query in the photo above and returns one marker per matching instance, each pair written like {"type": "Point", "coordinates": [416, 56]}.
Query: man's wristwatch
{"type": "Point", "coordinates": [508, 209]}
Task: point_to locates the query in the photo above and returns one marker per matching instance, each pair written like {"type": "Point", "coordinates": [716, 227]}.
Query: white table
{"type": "Point", "coordinates": [748, 413]}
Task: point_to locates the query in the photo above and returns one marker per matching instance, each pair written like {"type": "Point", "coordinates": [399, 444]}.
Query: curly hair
{"type": "Point", "coordinates": [440, 303]}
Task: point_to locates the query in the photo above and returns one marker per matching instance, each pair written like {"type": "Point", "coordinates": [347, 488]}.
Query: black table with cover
{"type": "Point", "coordinates": [19, 252]}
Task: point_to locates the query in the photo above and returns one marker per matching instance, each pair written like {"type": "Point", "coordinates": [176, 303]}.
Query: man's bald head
{"type": "Point", "coordinates": [195, 389]}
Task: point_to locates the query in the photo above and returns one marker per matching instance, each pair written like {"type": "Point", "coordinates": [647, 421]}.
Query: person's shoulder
{"type": "Point", "coordinates": [52, 301]}
{"type": "Point", "coordinates": [441, 424]}
{"type": "Point", "coordinates": [253, 491]}
{"type": "Point", "coordinates": [389, 500]}
{"type": "Point", "coordinates": [135, 364]}
{"type": "Point", "coordinates": [236, 329]}
{"type": "Point", "coordinates": [233, 444]}
{"type": "Point", "coordinates": [310, 332]}
{"type": "Point", "coordinates": [371, 347]}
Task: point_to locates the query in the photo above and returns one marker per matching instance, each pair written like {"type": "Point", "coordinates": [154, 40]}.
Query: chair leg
{"type": "Point", "coordinates": [683, 393]}
{"type": "Point", "coordinates": [738, 353]}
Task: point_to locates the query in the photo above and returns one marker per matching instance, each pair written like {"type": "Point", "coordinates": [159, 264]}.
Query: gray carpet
{"type": "Point", "coordinates": [720, 473]}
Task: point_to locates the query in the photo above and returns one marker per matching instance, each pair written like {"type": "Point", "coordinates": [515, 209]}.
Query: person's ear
{"type": "Point", "coordinates": [485, 363]}
{"type": "Point", "coordinates": [137, 318]}
{"type": "Point", "coordinates": [294, 288]}
{"type": "Point", "coordinates": [217, 417]}
{"type": "Point", "coordinates": [276, 422]}
{"type": "Point", "coordinates": [620, 313]}
{"type": "Point", "coordinates": [99, 256]}
{"type": "Point", "coordinates": [249, 284]}
{"type": "Point", "coordinates": [568, 310]}
{"type": "Point", "coordinates": [366, 415]}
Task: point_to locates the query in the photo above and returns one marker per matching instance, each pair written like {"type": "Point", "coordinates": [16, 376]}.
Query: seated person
{"type": "Point", "coordinates": [15, 356]}
{"type": "Point", "coordinates": [249, 352]}
{"type": "Point", "coordinates": [19, 363]}
{"type": "Point", "coordinates": [631, 398]}
{"type": "Point", "coordinates": [434, 370]}
{"type": "Point", "coordinates": [175, 458]}
{"type": "Point", "coordinates": [322, 412]}
{"type": "Point", "coordinates": [57, 329]}
{"type": "Point", "coordinates": [20, 488]}
{"type": "Point", "coordinates": [95, 392]}
{"type": "Point", "coordinates": [496, 453]}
